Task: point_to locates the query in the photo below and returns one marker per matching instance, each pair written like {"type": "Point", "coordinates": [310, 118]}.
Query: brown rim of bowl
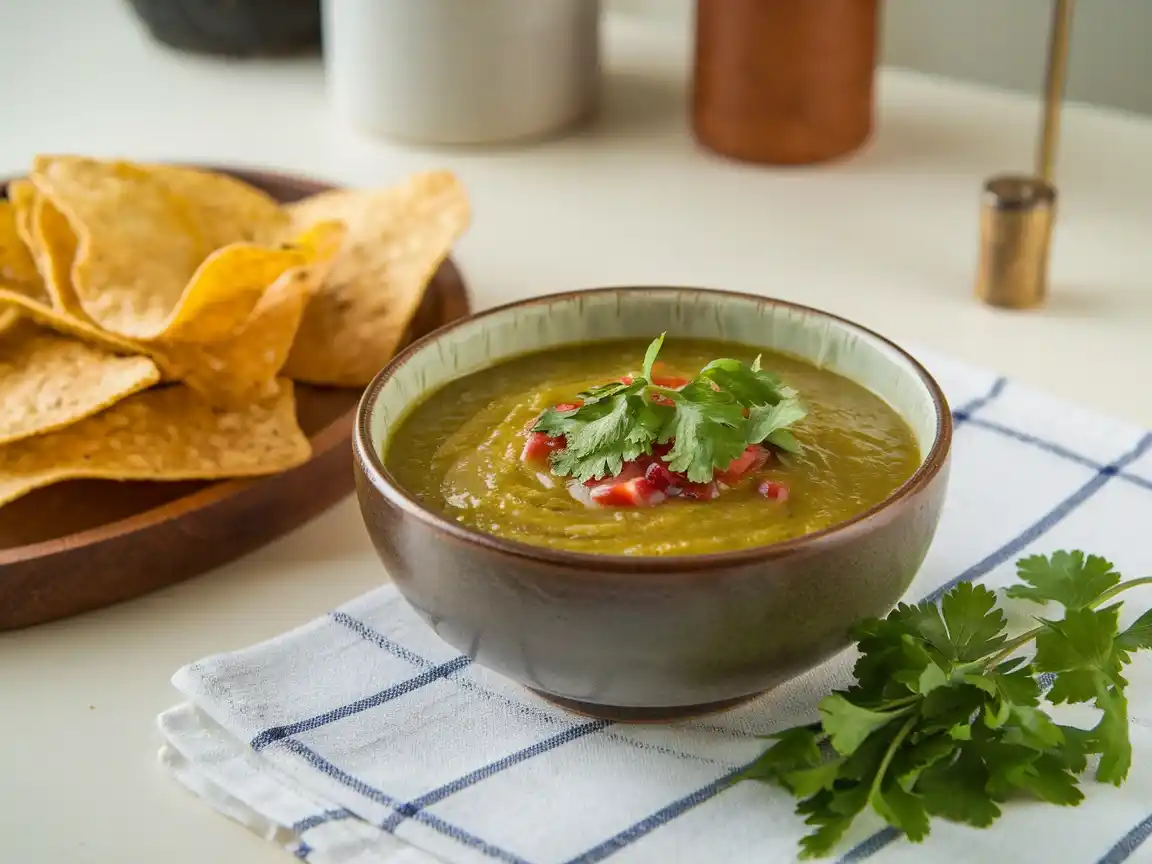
{"type": "Point", "coordinates": [382, 479]}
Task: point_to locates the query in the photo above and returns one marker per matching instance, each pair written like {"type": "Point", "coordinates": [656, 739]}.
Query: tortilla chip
{"type": "Point", "coordinates": [137, 247]}
{"type": "Point", "coordinates": [22, 196]}
{"type": "Point", "coordinates": [148, 265]}
{"type": "Point", "coordinates": [26, 204]}
{"type": "Point", "coordinates": [167, 433]}
{"type": "Point", "coordinates": [397, 239]}
{"type": "Point", "coordinates": [17, 268]}
{"type": "Point", "coordinates": [55, 245]}
{"type": "Point", "coordinates": [225, 210]}
{"type": "Point", "coordinates": [227, 286]}
{"type": "Point", "coordinates": [241, 363]}
{"type": "Point", "coordinates": [48, 381]}
{"type": "Point", "coordinates": [16, 302]}
{"type": "Point", "coordinates": [231, 350]}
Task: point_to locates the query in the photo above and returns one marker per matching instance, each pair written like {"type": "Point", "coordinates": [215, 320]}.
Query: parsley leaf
{"type": "Point", "coordinates": [1138, 636]}
{"type": "Point", "coordinates": [765, 421]}
{"type": "Point", "coordinates": [613, 426]}
{"type": "Point", "coordinates": [707, 429]}
{"type": "Point", "coordinates": [848, 724]}
{"type": "Point", "coordinates": [710, 421]}
{"type": "Point", "coordinates": [1067, 578]}
{"type": "Point", "coordinates": [943, 722]}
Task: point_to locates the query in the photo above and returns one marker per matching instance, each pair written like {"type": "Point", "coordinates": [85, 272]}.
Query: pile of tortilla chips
{"type": "Point", "coordinates": [153, 318]}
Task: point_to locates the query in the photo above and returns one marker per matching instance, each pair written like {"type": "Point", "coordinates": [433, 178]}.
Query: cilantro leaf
{"type": "Point", "coordinates": [748, 385]}
{"type": "Point", "coordinates": [707, 430]}
{"type": "Point", "coordinates": [832, 813]}
{"type": "Point", "coordinates": [808, 781]}
{"type": "Point", "coordinates": [1045, 777]}
{"type": "Point", "coordinates": [1085, 640]}
{"type": "Point", "coordinates": [910, 762]}
{"type": "Point", "coordinates": [794, 749]}
{"type": "Point", "coordinates": [650, 356]}
{"type": "Point", "coordinates": [1067, 578]}
{"type": "Point", "coordinates": [966, 626]}
{"type": "Point", "coordinates": [1031, 727]}
{"type": "Point", "coordinates": [710, 421]}
{"type": "Point", "coordinates": [956, 790]}
{"type": "Point", "coordinates": [604, 434]}
{"type": "Point", "coordinates": [764, 421]}
{"type": "Point", "coordinates": [902, 810]}
{"type": "Point", "coordinates": [975, 625]}
{"type": "Point", "coordinates": [783, 439]}
{"type": "Point", "coordinates": [1110, 735]}
{"type": "Point", "coordinates": [848, 725]}
{"type": "Point", "coordinates": [971, 733]}
{"type": "Point", "coordinates": [1138, 636]}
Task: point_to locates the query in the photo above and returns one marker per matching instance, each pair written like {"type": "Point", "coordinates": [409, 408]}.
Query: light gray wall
{"type": "Point", "coordinates": [1004, 42]}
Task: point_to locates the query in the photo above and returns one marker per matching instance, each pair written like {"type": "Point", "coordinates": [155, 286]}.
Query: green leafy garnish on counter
{"type": "Point", "coordinates": [945, 720]}
{"type": "Point", "coordinates": [711, 420]}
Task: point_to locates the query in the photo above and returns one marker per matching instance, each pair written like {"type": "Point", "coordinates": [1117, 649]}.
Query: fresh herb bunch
{"type": "Point", "coordinates": [944, 721]}
{"type": "Point", "coordinates": [710, 421]}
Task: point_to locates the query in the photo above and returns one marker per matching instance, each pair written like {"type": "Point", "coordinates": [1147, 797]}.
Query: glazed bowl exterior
{"type": "Point", "coordinates": [647, 637]}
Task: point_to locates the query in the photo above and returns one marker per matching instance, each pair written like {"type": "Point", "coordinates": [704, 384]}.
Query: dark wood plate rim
{"type": "Point", "coordinates": [335, 434]}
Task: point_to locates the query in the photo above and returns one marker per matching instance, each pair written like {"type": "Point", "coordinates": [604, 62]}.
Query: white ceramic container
{"type": "Point", "coordinates": [462, 71]}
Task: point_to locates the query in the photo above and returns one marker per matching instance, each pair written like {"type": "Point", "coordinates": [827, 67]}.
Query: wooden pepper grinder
{"type": "Point", "coordinates": [785, 82]}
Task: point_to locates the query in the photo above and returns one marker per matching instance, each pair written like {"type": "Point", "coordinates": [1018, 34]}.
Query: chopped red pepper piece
{"type": "Point", "coordinates": [658, 475]}
{"type": "Point", "coordinates": [752, 459]}
{"type": "Point", "coordinates": [774, 490]}
{"type": "Point", "coordinates": [538, 447]}
{"type": "Point", "coordinates": [630, 471]}
{"type": "Point", "coordinates": [636, 492]}
{"type": "Point", "coordinates": [700, 491]}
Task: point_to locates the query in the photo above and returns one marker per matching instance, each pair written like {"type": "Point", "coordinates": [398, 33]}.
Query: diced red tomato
{"type": "Point", "coordinates": [661, 399]}
{"type": "Point", "coordinates": [538, 447]}
{"type": "Point", "coordinates": [774, 490]}
{"type": "Point", "coordinates": [752, 459]}
{"type": "Point", "coordinates": [627, 379]}
{"type": "Point", "coordinates": [672, 382]}
{"type": "Point", "coordinates": [630, 471]}
{"type": "Point", "coordinates": [636, 492]}
{"type": "Point", "coordinates": [569, 406]}
{"type": "Point", "coordinates": [700, 491]}
{"type": "Point", "coordinates": [658, 475]}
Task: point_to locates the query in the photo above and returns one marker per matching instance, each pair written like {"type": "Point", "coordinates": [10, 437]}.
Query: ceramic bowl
{"type": "Point", "coordinates": [642, 638]}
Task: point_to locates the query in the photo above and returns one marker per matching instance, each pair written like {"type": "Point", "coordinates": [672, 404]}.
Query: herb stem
{"type": "Point", "coordinates": [1012, 644]}
{"type": "Point", "coordinates": [887, 760]}
{"type": "Point", "coordinates": [1120, 589]}
{"type": "Point", "coordinates": [1028, 635]}
{"type": "Point", "coordinates": [902, 702]}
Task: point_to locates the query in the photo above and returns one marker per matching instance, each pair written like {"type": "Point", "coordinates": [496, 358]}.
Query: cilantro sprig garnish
{"type": "Point", "coordinates": [710, 421]}
{"type": "Point", "coordinates": [945, 720]}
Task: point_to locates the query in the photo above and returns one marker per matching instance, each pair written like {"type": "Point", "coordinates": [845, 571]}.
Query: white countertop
{"type": "Point", "coordinates": [887, 238]}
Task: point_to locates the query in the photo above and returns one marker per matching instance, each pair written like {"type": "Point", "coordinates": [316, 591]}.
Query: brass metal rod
{"type": "Point", "coordinates": [1054, 87]}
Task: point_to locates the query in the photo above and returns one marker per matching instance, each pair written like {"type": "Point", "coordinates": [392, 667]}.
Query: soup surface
{"type": "Point", "coordinates": [467, 452]}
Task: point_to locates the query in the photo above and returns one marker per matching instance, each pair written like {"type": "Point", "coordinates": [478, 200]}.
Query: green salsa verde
{"type": "Point", "coordinates": [460, 452]}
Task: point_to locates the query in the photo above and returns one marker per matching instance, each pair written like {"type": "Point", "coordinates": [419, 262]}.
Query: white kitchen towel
{"type": "Point", "coordinates": [361, 737]}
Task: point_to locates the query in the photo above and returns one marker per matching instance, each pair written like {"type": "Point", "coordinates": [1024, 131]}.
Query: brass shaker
{"type": "Point", "coordinates": [1019, 211]}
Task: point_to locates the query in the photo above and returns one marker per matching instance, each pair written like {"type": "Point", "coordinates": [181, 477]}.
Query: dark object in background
{"type": "Point", "coordinates": [233, 28]}
{"type": "Point", "coordinates": [784, 81]}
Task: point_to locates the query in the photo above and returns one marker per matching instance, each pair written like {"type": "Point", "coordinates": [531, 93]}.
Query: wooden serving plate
{"type": "Point", "coordinates": [86, 544]}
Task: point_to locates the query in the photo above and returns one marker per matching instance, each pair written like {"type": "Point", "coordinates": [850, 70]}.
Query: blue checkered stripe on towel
{"type": "Point", "coordinates": [451, 758]}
